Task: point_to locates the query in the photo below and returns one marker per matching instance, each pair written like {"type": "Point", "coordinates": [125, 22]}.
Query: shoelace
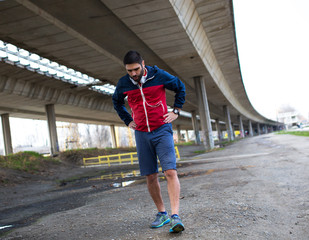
{"type": "Point", "coordinates": [158, 218]}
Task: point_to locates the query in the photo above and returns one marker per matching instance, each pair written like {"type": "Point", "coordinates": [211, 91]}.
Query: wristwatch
{"type": "Point", "coordinates": [176, 111]}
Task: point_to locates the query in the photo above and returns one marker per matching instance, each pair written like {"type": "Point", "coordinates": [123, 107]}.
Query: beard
{"type": "Point", "coordinates": [137, 78]}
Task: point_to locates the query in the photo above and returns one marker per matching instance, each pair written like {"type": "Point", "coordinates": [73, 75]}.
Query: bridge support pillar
{"type": "Point", "coordinates": [178, 133]}
{"type": "Point", "coordinates": [250, 129]}
{"type": "Point", "coordinates": [266, 129]}
{"type": "Point", "coordinates": [52, 129]}
{"type": "Point", "coordinates": [196, 128]}
{"type": "Point", "coordinates": [233, 131]}
{"type": "Point", "coordinates": [187, 136]}
{"type": "Point", "coordinates": [228, 123]}
{"type": "Point", "coordinates": [8, 148]}
{"type": "Point", "coordinates": [258, 129]}
{"type": "Point", "coordinates": [113, 133]}
{"type": "Point", "coordinates": [241, 127]}
{"type": "Point", "coordinates": [218, 128]}
{"type": "Point", "coordinates": [204, 113]}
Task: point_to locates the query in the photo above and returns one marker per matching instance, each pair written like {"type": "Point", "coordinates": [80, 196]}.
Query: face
{"type": "Point", "coordinates": [135, 70]}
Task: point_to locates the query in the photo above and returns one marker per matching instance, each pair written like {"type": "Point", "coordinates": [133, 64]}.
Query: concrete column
{"type": "Point", "coordinates": [233, 130]}
{"type": "Point", "coordinates": [113, 133]}
{"type": "Point", "coordinates": [204, 113]}
{"type": "Point", "coordinates": [218, 128]}
{"type": "Point", "coordinates": [250, 129]}
{"type": "Point", "coordinates": [258, 129]}
{"type": "Point", "coordinates": [178, 133]}
{"type": "Point", "coordinates": [228, 123]}
{"type": "Point", "coordinates": [187, 136]}
{"type": "Point", "coordinates": [196, 128]}
{"type": "Point", "coordinates": [8, 148]}
{"type": "Point", "coordinates": [51, 122]}
{"type": "Point", "coordinates": [241, 127]}
{"type": "Point", "coordinates": [266, 129]}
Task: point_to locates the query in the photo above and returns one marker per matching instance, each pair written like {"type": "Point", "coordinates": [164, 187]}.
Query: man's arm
{"type": "Point", "coordinates": [118, 101]}
{"type": "Point", "coordinates": [174, 84]}
{"type": "Point", "coordinates": [132, 125]}
{"type": "Point", "coordinates": [170, 117]}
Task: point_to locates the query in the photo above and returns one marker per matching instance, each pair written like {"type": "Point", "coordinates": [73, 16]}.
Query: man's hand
{"type": "Point", "coordinates": [170, 117]}
{"type": "Point", "coordinates": [132, 125]}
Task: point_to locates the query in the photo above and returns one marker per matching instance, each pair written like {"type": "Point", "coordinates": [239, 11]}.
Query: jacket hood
{"type": "Point", "coordinates": [152, 71]}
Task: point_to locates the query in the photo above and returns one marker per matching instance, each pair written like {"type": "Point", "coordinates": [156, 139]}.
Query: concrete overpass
{"type": "Point", "coordinates": [192, 39]}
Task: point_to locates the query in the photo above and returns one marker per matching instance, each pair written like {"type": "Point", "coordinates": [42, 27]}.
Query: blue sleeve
{"type": "Point", "coordinates": [119, 106]}
{"type": "Point", "coordinates": [174, 84]}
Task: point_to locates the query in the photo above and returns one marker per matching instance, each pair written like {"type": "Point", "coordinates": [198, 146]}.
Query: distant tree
{"type": "Point", "coordinates": [87, 139]}
{"type": "Point", "coordinates": [102, 136]}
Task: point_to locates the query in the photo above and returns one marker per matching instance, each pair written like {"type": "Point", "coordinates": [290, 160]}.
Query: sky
{"type": "Point", "coordinates": [273, 48]}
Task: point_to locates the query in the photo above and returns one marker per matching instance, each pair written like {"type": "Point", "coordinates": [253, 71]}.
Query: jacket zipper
{"type": "Point", "coordinates": [144, 105]}
{"type": "Point", "coordinates": [144, 99]}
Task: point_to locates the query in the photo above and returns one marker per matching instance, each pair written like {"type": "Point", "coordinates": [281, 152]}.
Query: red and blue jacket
{"type": "Point", "coordinates": [147, 100]}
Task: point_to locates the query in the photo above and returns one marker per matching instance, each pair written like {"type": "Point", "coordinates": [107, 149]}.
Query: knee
{"type": "Point", "coordinates": [152, 178]}
{"type": "Point", "coordinates": [170, 174]}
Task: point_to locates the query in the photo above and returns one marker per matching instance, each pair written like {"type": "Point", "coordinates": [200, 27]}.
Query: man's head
{"type": "Point", "coordinates": [134, 65]}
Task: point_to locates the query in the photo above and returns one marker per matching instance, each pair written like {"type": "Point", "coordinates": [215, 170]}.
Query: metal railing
{"type": "Point", "coordinates": [117, 158]}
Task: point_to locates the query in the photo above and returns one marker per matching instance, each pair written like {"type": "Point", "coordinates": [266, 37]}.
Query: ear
{"type": "Point", "coordinates": [143, 63]}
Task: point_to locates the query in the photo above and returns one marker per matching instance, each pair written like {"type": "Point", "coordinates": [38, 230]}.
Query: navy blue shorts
{"type": "Point", "coordinates": [153, 145]}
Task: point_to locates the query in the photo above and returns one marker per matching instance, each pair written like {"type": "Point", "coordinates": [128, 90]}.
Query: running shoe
{"type": "Point", "coordinates": [176, 225]}
{"type": "Point", "coordinates": [161, 219]}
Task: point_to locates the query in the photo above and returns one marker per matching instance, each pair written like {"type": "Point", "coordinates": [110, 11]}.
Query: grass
{"type": "Point", "coordinates": [26, 161]}
{"type": "Point", "coordinates": [185, 143]}
{"type": "Point", "coordinates": [34, 162]}
{"type": "Point", "coordinates": [211, 150]}
{"type": "Point", "coordinates": [296, 133]}
{"type": "Point", "coordinates": [225, 143]}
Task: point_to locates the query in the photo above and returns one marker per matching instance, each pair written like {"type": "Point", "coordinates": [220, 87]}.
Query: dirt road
{"type": "Point", "coordinates": [257, 188]}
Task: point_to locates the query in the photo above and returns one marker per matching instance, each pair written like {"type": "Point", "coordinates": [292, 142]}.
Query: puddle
{"type": "Point", "coordinates": [122, 184]}
{"type": "Point", "coordinates": [125, 176]}
{"type": "Point", "coordinates": [122, 175]}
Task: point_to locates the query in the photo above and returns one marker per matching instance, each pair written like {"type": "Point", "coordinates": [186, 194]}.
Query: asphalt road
{"type": "Point", "coordinates": [256, 188]}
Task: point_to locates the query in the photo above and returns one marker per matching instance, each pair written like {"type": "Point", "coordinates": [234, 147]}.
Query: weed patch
{"type": "Point", "coordinates": [26, 161]}
{"type": "Point", "coordinates": [296, 133]}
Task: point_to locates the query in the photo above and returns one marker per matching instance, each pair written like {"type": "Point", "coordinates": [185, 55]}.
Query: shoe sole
{"type": "Point", "coordinates": [177, 228]}
{"type": "Point", "coordinates": [165, 222]}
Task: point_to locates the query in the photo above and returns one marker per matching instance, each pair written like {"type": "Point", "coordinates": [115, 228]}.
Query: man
{"type": "Point", "coordinates": [145, 88]}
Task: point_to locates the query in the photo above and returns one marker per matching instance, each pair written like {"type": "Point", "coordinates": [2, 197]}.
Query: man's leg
{"type": "Point", "coordinates": [173, 187]}
{"type": "Point", "coordinates": [155, 191]}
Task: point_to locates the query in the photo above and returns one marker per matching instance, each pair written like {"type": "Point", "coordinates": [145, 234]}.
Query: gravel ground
{"type": "Point", "coordinates": [256, 188]}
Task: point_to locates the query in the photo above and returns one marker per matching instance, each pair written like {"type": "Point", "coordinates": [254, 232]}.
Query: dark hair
{"type": "Point", "coordinates": [132, 57]}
